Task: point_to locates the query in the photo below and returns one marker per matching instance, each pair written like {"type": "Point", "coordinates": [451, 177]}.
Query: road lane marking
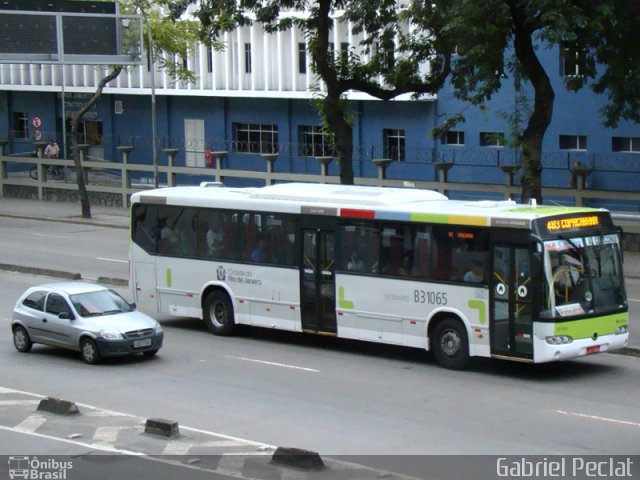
{"type": "Point", "coordinates": [49, 235]}
{"type": "Point", "coordinates": [107, 435]}
{"type": "Point", "coordinates": [31, 423]}
{"type": "Point", "coordinates": [633, 299]}
{"type": "Point", "coordinates": [112, 260]}
{"type": "Point", "coordinates": [600, 419]}
{"type": "Point", "coordinates": [276, 364]}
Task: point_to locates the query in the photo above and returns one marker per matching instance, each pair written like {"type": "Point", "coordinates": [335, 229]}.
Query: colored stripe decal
{"type": "Point", "coordinates": [352, 212]}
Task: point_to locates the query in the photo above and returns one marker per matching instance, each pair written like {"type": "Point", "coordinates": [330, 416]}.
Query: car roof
{"type": "Point", "coordinates": [70, 288]}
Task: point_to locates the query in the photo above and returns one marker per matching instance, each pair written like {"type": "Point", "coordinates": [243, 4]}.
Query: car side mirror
{"type": "Point", "coordinates": [66, 316]}
{"type": "Point", "coordinates": [133, 306]}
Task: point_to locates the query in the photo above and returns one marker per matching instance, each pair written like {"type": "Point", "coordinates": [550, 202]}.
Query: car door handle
{"type": "Point", "coordinates": [44, 320]}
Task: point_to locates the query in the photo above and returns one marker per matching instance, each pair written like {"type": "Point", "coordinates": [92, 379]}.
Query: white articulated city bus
{"type": "Point", "coordinates": [399, 266]}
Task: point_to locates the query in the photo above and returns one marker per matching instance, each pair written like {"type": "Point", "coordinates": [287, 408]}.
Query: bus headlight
{"type": "Point", "coordinates": [622, 330]}
{"type": "Point", "coordinates": [559, 340]}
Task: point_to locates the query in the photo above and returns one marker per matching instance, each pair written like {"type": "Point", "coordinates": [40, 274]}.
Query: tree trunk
{"type": "Point", "coordinates": [542, 108]}
{"type": "Point", "coordinates": [75, 122]}
{"type": "Point", "coordinates": [343, 135]}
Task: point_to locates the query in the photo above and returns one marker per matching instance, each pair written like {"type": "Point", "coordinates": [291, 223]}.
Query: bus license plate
{"type": "Point", "coordinates": [142, 343]}
{"type": "Point", "coordinates": [594, 349]}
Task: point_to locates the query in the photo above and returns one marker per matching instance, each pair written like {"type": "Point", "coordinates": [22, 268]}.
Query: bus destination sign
{"type": "Point", "coordinates": [573, 223]}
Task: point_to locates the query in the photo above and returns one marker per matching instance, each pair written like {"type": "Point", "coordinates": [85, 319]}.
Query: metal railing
{"type": "Point", "coordinates": [124, 178]}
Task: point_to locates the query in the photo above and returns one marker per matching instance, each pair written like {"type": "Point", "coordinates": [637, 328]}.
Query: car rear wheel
{"type": "Point", "coordinates": [90, 352]}
{"type": "Point", "coordinates": [21, 339]}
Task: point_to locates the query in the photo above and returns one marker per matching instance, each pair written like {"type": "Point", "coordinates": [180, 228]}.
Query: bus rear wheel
{"type": "Point", "coordinates": [218, 314]}
{"type": "Point", "coordinates": [450, 344]}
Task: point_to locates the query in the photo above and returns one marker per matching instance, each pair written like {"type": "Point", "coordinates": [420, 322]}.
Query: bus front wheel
{"type": "Point", "coordinates": [450, 344]}
{"type": "Point", "coordinates": [218, 314]}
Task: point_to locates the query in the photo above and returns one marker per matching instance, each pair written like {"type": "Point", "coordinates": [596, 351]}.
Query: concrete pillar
{"type": "Point", "coordinates": [171, 158]}
{"type": "Point", "coordinates": [442, 169]}
{"type": "Point", "coordinates": [324, 166]}
{"type": "Point", "coordinates": [270, 158]}
{"type": "Point", "coordinates": [125, 177]}
{"type": "Point", "coordinates": [382, 164]}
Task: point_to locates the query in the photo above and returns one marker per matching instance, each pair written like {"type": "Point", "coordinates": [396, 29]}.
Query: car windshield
{"type": "Point", "coordinates": [102, 302]}
{"type": "Point", "coordinates": [583, 275]}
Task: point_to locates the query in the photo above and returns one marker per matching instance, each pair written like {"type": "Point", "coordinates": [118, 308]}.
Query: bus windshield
{"type": "Point", "coordinates": [582, 276]}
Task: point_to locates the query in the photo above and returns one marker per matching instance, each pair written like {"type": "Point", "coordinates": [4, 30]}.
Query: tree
{"type": "Point", "coordinates": [421, 66]}
{"type": "Point", "coordinates": [498, 37]}
{"type": "Point", "coordinates": [171, 43]}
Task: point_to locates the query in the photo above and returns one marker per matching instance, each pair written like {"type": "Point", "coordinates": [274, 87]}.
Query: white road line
{"type": "Point", "coordinates": [107, 435]}
{"type": "Point", "coordinates": [600, 419]}
{"type": "Point", "coordinates": [223, 443]}
{"type": "Point", "coordinates": [633, 300]}
{"type": "Point", "coordinates": [49, 236]}
{"type": "Point", "coordinates": [177, 447]}
{"type": "Point", "coordinates": [31, 423]}
{"type": "Point", "coordinates": [275, 364]}
{"type": "Point", "coordinates": [9, 403]}
{"type": "Point", "coordinates": [112, 260]}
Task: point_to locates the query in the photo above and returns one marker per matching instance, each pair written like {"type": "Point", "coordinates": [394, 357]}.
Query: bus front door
{"type": "Point", "coordinates": [511, 298]}
{"type": "Point", "coordinates": [317, 281]}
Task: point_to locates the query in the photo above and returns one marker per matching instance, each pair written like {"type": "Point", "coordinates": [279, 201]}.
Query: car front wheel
{"type": "Point", "coordinates": [90, 352]}
{"type": "Point", "coordinates": [21, 339]}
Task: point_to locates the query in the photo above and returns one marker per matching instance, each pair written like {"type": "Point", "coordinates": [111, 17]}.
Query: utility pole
{"type": "Point", "coordinates": [153, 95]}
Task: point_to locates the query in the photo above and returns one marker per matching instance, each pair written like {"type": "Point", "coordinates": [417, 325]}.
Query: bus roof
{"type": "Point", "coordinates": [384, 203]}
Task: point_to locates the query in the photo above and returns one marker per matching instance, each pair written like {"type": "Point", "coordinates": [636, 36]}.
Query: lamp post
{"type": "Point", "coordinates": [153, 95]}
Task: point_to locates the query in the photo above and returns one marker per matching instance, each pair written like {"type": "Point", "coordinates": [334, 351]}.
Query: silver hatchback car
{"type": "Point", "coordinates": [85, 317]}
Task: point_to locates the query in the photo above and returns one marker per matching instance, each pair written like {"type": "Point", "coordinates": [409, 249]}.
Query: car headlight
{"type": "Point", "coordinates": [559, 340]}
{"type": "Point", "coordinates": [158, 328]}
{"type": "Point", "coordinates": [622, 330]}
{"type": "Point", "coordinates": [111, 335]}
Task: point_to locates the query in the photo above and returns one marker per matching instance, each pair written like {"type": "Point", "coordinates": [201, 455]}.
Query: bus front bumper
{"type": "Point", "coordinates": [545, 352]}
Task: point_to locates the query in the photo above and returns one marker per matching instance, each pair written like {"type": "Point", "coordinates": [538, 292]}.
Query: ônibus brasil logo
{"type": "Point", "coordinates": [32, 468]}
{"type": "Point", "coordinates": [221, 273]}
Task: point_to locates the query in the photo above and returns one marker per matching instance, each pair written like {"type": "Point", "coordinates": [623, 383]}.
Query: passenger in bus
{"type": "Point", "coordinates": [476, 274]}
{"type": "Point", "coordinates": [406, 267]}
{"type": "Point", "coordinates": [355, 263]}
{"type": "Point", "coordinates": [567, 276]}
{"type": "Point", "coordinates": [260, 254]}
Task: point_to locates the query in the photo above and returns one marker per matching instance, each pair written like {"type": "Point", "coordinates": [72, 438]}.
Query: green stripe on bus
{"type": "Point", "coordinates": [450, 219]}
{"type": "Point", "coordinates": [586, 328]}
{"type": "Point", "coordinates": [342, 302]}
{"type": "Point", "coordinates": [168, 273]}
{"type": "Point", "coordinates": [482, 313]}
{"type": "Point", "coordinates": [551, 210]}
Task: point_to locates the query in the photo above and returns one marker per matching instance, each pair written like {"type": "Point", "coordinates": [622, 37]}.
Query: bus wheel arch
{"type": "Point", "coordinates": [218, 312]}
{"type": "Point", "coordinates": [449, 341]}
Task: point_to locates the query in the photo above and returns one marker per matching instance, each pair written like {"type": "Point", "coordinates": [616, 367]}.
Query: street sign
{"type": "Point", "coordinates": [36, 135]}
{"type": "Point", "coordinates": [36, 122]}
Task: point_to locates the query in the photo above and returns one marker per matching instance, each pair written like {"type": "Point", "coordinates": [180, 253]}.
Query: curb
{"type": "Point", "coordinates": [76, 220]}
{"type": "Point", "coordinates": [47, 272]}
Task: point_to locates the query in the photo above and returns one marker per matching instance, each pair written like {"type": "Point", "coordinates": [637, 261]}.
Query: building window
{"type": "Point", "coordinates": [20, 125]}
{"type": "Point", "coordinates": [315, 142]}
{"type": "Point", "coordinates": [393, 140]}
{"type": "Point", "coordinates": [491, 139]}
{"type": "Point", "coordinates": [572, 60]}
{"type": "Point", "coordinates": [302, 58]}
{"type": "Point", "coordinates": [453, 137]}
{"type": "Point", "coordinates": [210, 59]}
{"type": "Point", "coordinates": [344, 52]}
{"type": "Point", "coordinates": [625, 144]}
{"type": "Point", "coordinates": [573, 142]}
{"type": "Point", "coordinates": [255, 138]}
{"type": "Point", "coordinates": [247, 58]}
